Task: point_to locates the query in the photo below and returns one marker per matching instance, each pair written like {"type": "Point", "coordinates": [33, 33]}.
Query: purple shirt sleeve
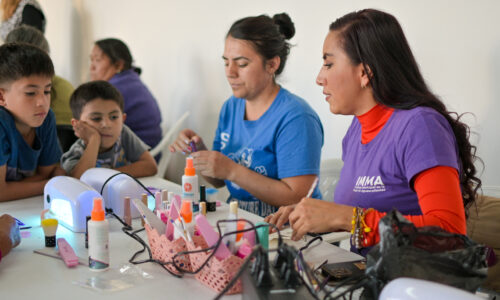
{"type": "Point", "coordinates": [427, 141]}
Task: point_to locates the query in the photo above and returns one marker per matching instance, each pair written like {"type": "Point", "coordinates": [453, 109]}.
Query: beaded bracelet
{"type": "Point", "coordinates": [359, 228]}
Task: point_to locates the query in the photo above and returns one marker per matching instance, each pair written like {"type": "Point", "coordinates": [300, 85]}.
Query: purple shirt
{"type": "Point", "coordinates": [143, 113]}
{"type": "Point", "coordinates": [380, 174]}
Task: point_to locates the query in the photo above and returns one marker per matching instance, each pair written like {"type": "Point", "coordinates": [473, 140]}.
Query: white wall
{"type": "Point", "coordinates": [179, 45]}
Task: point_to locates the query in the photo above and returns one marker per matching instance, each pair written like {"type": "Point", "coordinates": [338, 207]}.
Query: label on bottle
{"type": "Point", "coordinates": [190, 188]}
{"type": "Point", "coordinates": [98, 237]}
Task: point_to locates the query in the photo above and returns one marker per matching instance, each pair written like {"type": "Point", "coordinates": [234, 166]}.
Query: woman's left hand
{"type": "Point", "coordinates": [214, 164]}
{"type": "Point", "coordinates": [313, 215]}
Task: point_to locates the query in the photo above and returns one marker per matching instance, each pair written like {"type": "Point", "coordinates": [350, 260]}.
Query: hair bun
{"type": "Point", "coordinates": [285, 25]}
{"type": "Point", "coordinates": [137, 70]}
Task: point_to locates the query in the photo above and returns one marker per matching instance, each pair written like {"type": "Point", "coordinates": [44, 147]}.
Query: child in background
{"type": "Point", "coordinates": [104, 141]}
{"type": "Point", "coordinates": [29, 152]}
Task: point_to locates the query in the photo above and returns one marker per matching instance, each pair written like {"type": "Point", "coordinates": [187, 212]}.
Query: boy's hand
{"type": "Point", "coordinates": [9, 234]}
{"type": "Point", "coordinates": [85, 131]}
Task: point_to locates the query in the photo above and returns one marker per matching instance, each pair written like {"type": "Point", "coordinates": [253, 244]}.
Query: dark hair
{"type": "Point", "coordinates": [91, 91]}
{"type": "Point", "coordinates": [117, 51]}
{"type": "Point", "coordinates": [23, 60]}
{"type": "Point", "coordinates": [267, 35]}
{"type": "Point", "coordinates": [375, 39]}
{"type": "Point", "coordinates": [28, 35]}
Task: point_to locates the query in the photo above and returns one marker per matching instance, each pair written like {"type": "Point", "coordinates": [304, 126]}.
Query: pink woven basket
{"type": "Point", "coordinates": [216, 274]}
{"type": "Point", "coordinates": [164, 250]}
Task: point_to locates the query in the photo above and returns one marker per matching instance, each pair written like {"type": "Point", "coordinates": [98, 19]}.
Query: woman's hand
{"type": "Point", "coordinates": [214, 164]}
{"type": "Point", "coordinates": [181, 144]}
{"type": "Point", "coordinates": [280, 218]}
{"type": "Point", "coordinates": [313, 215]}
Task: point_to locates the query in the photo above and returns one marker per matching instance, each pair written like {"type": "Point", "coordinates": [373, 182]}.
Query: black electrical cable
{"type": "Point", "coordinates": [358, 281]}
{"type": "Point", "coordinates": [305, 267]}
{"type": "Point", "coordinates": [219, 241]}
{"type": "Point", "coordinates": [244, 266]}
{"type": "Point", "coordinates": [308, 272]}
{"type": "Point", "coordinates": [126, 228]}
{"type": "Point", "coordinates": [310, 243]}
{"type": "Point", "coordinates": [134, 236]}
{"type": "Point", "coordinates": [256, 250]}
{"type": "Point", "coordinates": [120, 173]}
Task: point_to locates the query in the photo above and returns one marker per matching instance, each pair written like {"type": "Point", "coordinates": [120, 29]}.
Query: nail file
{"type": "Point", "coordinates": [51, 252]}
{"type": "Point", "coordinates": [211, 237]}
{"type": "Point", "coordinates": [149, 217]}
{"type": "Point", "coordinates": [67, 253]}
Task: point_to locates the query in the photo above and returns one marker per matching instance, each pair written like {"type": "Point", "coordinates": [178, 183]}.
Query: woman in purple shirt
{"type": "Point", "coordinates": [111, 60]}
{"type": "Point", "coordinates": [404, 150]}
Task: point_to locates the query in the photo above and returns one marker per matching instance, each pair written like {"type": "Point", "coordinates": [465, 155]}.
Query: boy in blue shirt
{"type": "Point", "coordinates": [29, 151]}
{"type": "Point", "coordinates": [104, 141]}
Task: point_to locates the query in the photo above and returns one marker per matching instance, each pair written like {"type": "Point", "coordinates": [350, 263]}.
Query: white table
{"type": "Point", "coordinates": [26, 275]}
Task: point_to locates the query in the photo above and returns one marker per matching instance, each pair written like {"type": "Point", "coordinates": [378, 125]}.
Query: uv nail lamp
{"type": "Point", "coordinates": [70, 200]}
{"type": "Point", "coordinates": [115, 190]}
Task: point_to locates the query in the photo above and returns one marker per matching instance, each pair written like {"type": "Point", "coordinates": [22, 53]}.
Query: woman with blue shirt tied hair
{"type": "Point", "coordinates": [267, 146]}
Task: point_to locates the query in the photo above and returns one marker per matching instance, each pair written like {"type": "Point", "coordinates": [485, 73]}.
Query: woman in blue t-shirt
{"type": "Point", "coordinates": [267, 146]}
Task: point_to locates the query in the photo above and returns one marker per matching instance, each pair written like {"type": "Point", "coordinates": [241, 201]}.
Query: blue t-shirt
{"type": "Point", "coordinates": [21, 159]}
{"type": "Point", "coordinates": [284, 142]}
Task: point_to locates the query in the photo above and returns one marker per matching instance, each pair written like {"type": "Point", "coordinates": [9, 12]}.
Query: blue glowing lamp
{"type": "Point", "coordinates": [70, 200]}
{"type": "Point", "coordinates": [116, 187]}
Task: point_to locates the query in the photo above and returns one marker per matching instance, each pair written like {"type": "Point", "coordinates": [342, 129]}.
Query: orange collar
{"type": "Point", "coordinates": [373, 121]}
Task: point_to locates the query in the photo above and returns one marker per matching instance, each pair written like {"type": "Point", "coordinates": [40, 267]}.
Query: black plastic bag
{"type": "Point", "coordinates": [428, 253]}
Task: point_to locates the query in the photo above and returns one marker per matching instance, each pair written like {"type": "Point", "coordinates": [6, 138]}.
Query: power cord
{"type": "Point", "coordinates": [128, 230]}
{"type": "Point", "coordinates": [135, 179]}
{"type": "Point", "coordinates": [261, 263]}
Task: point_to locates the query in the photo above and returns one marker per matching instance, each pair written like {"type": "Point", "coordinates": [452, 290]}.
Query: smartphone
{"type": "Point", "coordinates": [340, 271]}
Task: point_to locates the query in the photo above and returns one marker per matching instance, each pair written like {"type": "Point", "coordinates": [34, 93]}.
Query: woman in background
{"type": "Point", "coordinates": [267, 146]}
{"type": "Point", "coordinates": [111, 60]}
{"type": "Point", "coordinates": [18, 12]}
{"type": "Point", "coordinates": [403, 150]}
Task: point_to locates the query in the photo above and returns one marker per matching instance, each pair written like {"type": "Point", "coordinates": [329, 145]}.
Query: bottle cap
{"type": "Point", "coordinates": [203, 194]}
{"type": "Point", "coordinates": [186, 212]}
{"type": "Point", "coordinates": [240, 225]}
{"type": "Point", "coordinates": [49, 229]}
{"type": "Point", "coordinates": [189, 170]}
{"type": "Point", "coordinates": [97, 210]}
{"type": "Point", "coordinates": [211, 206]}
{"type": "Point", "coordinates": [244, 251]}
{"type": "Point", "coordinates": [233, 207]}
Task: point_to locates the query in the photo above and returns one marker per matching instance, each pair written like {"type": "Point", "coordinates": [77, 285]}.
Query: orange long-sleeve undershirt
{"type": "Point", "coordinates": [437, 188]}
